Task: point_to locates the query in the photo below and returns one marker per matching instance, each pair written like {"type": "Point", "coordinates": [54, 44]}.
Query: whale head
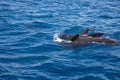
{"type": "Point", "coordinates": [66, 36]}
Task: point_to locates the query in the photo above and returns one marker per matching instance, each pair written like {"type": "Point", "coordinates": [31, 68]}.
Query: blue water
{"type": "Point", "coordinates": [27, 51]}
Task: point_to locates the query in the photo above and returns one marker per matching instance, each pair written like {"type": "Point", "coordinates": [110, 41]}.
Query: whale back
{"type": "Point", "coordinates": [96, 34]}
{"type": "Point", "coordinates": [85, 38]}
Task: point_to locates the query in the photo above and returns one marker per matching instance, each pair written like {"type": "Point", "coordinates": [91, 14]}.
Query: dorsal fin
{"type": "Point", "coordinates": [96, 35]}
{"type": "Point", "coordinates": [75, 37]}
{"type": "Point", "coordinates": [84, 31]}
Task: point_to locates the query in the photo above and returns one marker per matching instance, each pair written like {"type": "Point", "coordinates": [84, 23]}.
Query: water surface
{"type": "Point", "coordinates": [27, 51]}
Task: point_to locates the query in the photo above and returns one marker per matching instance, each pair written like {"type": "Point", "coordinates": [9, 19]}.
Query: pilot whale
{"type": "Point", "coordinates": [84, 38]}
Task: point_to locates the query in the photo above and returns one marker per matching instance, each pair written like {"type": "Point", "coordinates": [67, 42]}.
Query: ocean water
{"type": "Point", "coordinates": [27, 49]}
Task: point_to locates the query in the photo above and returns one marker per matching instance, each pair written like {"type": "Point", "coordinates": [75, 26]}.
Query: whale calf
{"type": "Point", "coordinates": [84, 38]}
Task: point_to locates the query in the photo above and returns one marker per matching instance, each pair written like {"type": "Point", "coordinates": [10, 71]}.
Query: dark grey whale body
{"type": "Point", "coordinates": [84, 38]}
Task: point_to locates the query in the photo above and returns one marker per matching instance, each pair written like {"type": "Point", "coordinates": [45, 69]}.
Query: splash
{"type": "Point", "coordinates": [57, 39]}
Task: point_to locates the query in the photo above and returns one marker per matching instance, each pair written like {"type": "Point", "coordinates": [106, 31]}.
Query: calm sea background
{"type": "Point", "coordinates": [27, 51]}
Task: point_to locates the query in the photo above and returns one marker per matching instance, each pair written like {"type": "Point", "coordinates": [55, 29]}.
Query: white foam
{"type": "Point", "coordinates": [56, 38]}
